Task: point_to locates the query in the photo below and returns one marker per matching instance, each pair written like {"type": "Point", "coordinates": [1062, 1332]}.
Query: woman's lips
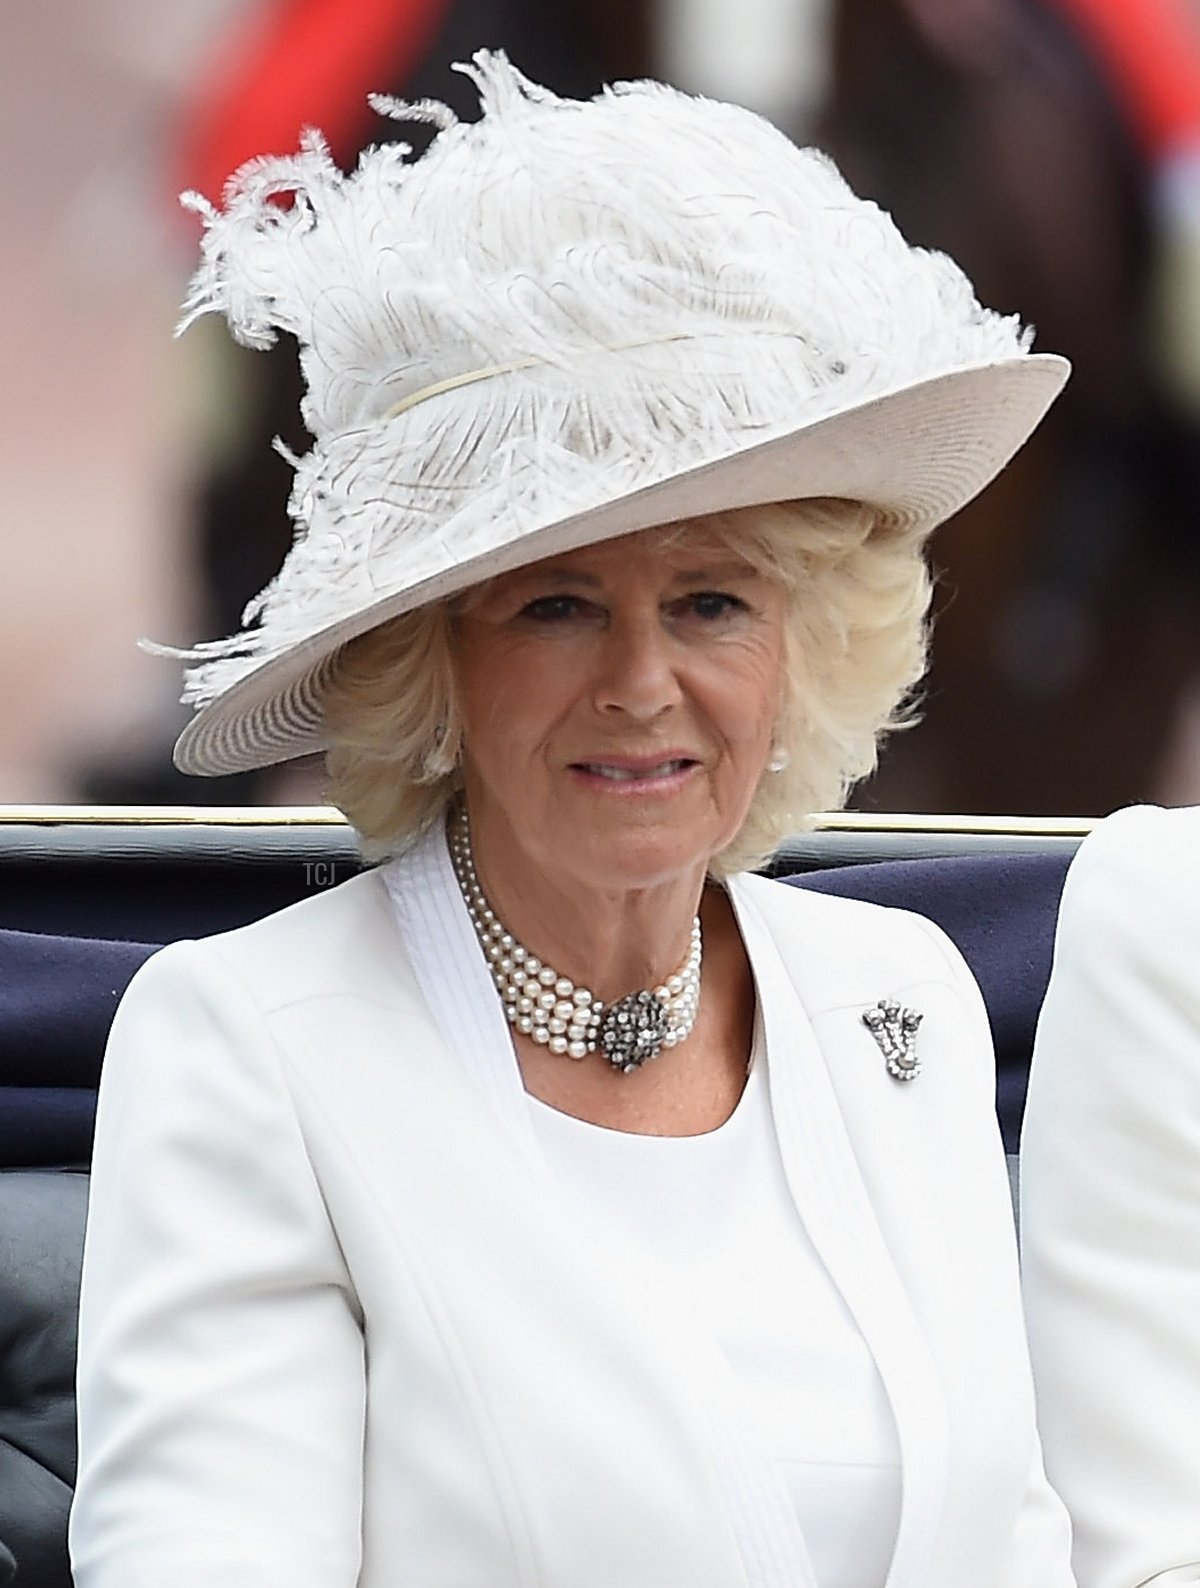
{"type": "Point", "coordinates": [634, 772]}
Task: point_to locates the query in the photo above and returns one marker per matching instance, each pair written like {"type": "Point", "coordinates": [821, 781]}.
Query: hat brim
{"type": "Point", "coordinates": [918, 454]}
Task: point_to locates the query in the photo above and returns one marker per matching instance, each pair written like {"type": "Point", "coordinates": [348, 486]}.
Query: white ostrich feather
{"type": "Point", "coordinates": [648, 281]}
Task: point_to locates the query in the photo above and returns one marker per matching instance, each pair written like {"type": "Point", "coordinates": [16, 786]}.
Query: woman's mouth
{"type": "Point", "coordinates": [636, 770]}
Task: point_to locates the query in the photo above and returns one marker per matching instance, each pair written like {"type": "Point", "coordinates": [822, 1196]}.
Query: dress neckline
{"type": "Point", "coordinates": [546, 1116]}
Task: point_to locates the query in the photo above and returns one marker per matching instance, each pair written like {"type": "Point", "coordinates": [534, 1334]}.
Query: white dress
{"type": "Point", "coordinates": [712, 1212]}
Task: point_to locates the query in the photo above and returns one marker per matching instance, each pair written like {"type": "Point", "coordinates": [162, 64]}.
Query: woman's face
{"type": "Point", "coordinates": [619, 705]}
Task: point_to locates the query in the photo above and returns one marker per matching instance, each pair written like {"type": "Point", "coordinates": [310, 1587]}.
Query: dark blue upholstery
{"type": "Point", "coordinates": [1001, 911]}
{"type": "Point", "coordinates": [58, 994]}
{"type": "Point", "coordinates": [57, 999]}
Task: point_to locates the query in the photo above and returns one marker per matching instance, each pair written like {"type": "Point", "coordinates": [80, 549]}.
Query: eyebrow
{"type": "Point", "coordinates": [714, 572]}
{"type": "Point", "coordinates": [719, 572]}
{"type": "Point", "coordinates": [560, 571]}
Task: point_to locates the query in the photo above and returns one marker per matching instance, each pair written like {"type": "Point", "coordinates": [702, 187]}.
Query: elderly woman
{"type": "Point", "coordinates": [1110, 1192]}
{"type": "Point", "coordinates": [557, 1204]}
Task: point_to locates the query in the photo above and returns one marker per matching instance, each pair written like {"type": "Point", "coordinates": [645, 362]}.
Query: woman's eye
{"type": "Point", "coordinates": [552, 609]}
{"type": "Point", "coordinates": [712, 605]}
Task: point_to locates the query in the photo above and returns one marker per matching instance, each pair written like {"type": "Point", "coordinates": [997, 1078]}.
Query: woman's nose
{"type": "Point", "coordinates": [637, 668]}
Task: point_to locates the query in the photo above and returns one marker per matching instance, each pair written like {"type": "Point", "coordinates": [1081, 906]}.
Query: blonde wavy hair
{"type": "Point", "coordinates": [858, 595]}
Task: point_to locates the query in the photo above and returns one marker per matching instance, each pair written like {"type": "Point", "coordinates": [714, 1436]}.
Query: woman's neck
{"type": "Point", "coordinates": [612, 940]}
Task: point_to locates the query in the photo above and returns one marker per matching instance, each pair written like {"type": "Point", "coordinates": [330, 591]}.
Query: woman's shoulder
{"type": "Point", "coordinates": [1136, 871]}
{"type": "Point", "coordinates": [850, 930]}
{"type": "Point", "coordinates": [790, 899]}
{"type": "Point", "coordinates": [324, 943]}
{"type": "Point", "coordinates": [1150, 839]}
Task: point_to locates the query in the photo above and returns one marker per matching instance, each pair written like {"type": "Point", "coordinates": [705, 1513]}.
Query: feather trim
{"type": "Point", "coordinates": [655, 279]}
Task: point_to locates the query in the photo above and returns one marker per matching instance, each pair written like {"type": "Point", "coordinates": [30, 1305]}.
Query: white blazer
{"type": "Point", "coordinates": [338, 1327]}
{"type": "Point", "coordinates": [1111, 1202]}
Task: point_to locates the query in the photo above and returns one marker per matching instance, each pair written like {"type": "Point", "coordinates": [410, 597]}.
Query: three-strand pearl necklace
{"type": "Point", "coordinates": [557, 1013]}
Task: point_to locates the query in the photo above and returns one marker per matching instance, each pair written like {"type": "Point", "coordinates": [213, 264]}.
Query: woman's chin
{"type": "Point", "coordinates": [639, 859]}
{"type": "Point", "coordinates": [601, 841]}
{"type": "Point", "coordinates": [639, 842]}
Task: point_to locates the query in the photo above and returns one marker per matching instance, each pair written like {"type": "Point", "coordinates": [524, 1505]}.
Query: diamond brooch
{"type": "Point", "coordinates": [895, 1032]}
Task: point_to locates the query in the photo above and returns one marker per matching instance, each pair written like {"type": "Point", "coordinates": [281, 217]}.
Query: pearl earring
{"type": "Point", "coordinates": [780, 757]}
{"type": "Point", "coordinates": [440, 759]}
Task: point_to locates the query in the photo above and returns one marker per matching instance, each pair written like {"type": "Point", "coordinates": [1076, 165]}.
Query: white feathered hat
{"type": "Point", "coordinates": [568, 321]}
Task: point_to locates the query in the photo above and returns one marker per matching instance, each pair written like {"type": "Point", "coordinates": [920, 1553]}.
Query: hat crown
{"type": "Point", "coordinates": [552, 232]}
{"type": "Point", "coordinates": [564, 310]}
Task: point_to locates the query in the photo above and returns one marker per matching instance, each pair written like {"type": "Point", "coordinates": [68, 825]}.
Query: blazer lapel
{"type": "Point", "coordinates": [832, 1199]}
